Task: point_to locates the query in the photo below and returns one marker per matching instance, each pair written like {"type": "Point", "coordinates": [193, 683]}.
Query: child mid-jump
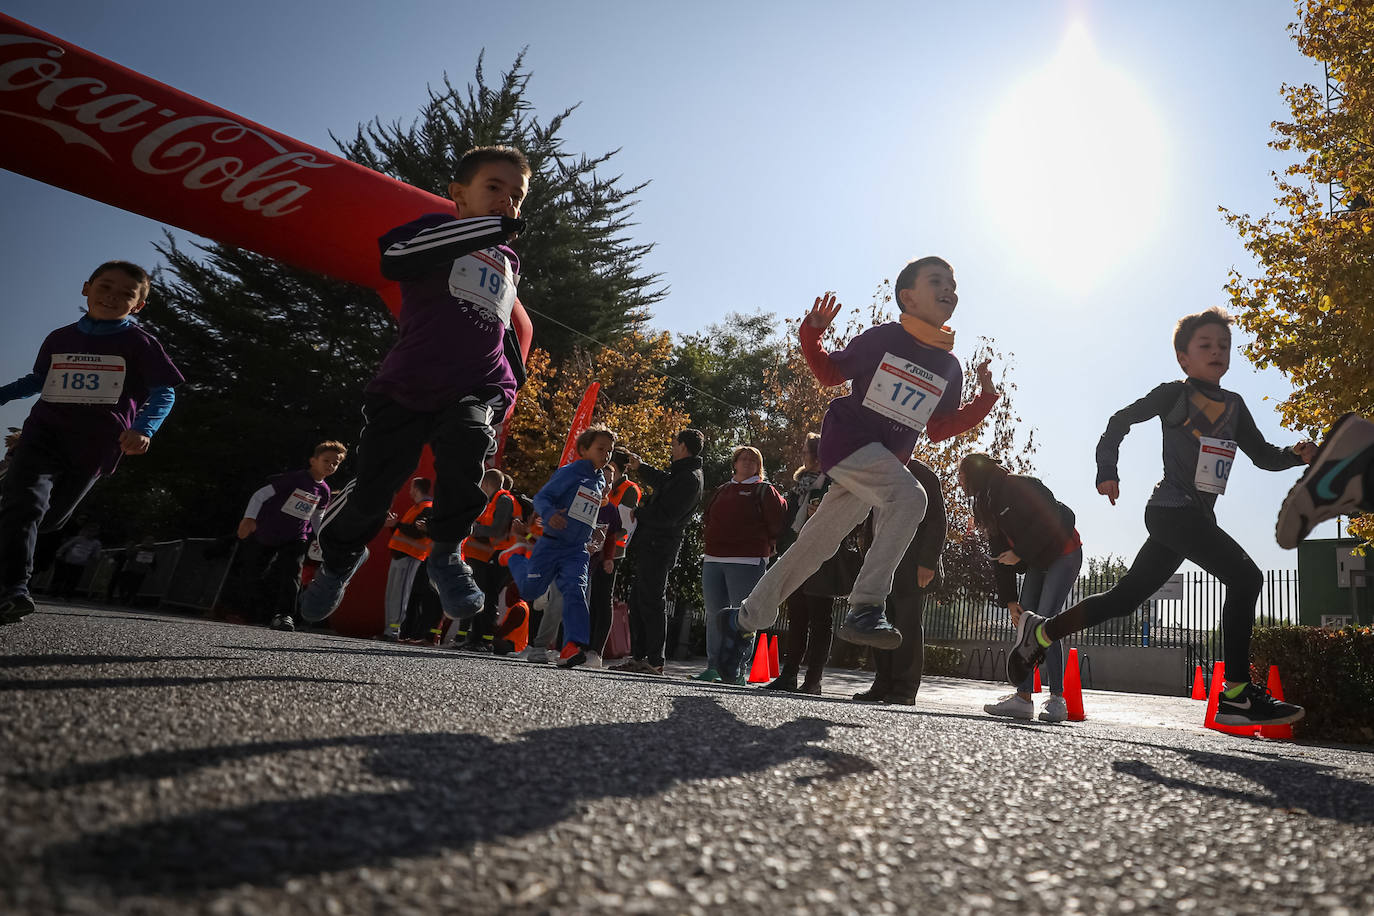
{"type": "Point", "coordinates": [906, 381]}
{"type": "Point", "coordinates": [453, 370]}
{"type": "Point", "coordinates": [105, 387]}
{"type": "Point", "coordinates": [1203, 426]}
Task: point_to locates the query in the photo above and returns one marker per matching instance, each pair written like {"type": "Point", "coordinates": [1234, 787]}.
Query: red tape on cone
{"type": "Point", "coordinates": [1073, 688]}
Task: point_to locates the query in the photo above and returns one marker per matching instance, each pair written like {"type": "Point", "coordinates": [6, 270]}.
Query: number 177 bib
{"type": "Point", "coordinates": [904, 391]}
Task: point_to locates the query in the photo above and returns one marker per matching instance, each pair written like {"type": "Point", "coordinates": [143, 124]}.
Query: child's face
{"type": "Point", "coordinates": [113, 295]}
{"type": "Point", "coordinates": [324, 464]}
{"type": "Point", "coordinates": [1209, 353]}
{"type": "Point", "coordinates": [498, 189]}
{"type": "Point", "coordinates": [599, 452]}
{"type": "Point", "coordinates": [931, 298]}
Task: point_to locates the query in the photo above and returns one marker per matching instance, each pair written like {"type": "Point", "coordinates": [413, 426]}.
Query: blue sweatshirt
{"type": "Point", "coordinates": [561, 493]}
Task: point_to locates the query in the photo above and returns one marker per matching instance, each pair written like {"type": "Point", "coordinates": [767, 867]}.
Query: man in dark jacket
{"type": "Point", "coordinates": [898, 671]}
{"type": "Point", "coordinates": [661, 521]}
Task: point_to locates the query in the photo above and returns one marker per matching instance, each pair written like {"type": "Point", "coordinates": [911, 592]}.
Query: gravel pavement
{"type": "Point", "coordinates": [158, 764]}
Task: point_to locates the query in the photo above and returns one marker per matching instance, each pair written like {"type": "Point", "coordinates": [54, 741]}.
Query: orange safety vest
{"type": "Point", "coordinates": [623, 538]}
{"type": "Point", "coordinates": [482, 549]}
{"type": "Point", "coordinates": [404, 543]}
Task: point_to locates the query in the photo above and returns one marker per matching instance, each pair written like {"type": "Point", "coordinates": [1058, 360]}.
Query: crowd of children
{"type": "Point", "coordinates": [859, 516]}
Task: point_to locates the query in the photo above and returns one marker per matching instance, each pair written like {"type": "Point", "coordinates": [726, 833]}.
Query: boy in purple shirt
{"type": "Point", "coordinates": [453, 370]}
{"type": "Point", "coordinates": [904, 378]}
{"type": "Point", "coordinates": [275, 532]}
{"type": "Point", "coordinates": [105, 387]}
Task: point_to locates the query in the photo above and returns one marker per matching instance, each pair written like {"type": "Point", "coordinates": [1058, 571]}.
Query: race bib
{"type": "Point", "coordinates": [1214, 460]}
{"type": "Point", "coordinates": [485, 280]}
{"type": "Point", "coordinates": [84, 378]}
{"type": "Point", "coordinates": [585, 506]}
{"type": "Point", "coordinates": [905, 392]}
{"type": "Point", "coordinates": [301, 504]}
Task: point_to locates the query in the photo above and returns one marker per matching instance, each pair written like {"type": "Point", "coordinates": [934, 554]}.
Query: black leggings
{"type": "Point", "coordinates": [1178, 534]}
{"type": "Point", "coordinates": [810, 621]}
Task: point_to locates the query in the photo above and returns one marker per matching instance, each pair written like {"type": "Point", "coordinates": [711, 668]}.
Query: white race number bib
{"type": "Point", "coordinates": [301, 504]}
{"type": "Point", "coordinates": [585, 506]}
{"type": "Point", "coordinates": [905, 392]}
{"type": "Point", "coordinates": [484, 278]}
{"type": "Point", "coordinates": [1214, 460]}
{"type": "Point", "coordinates": [84, 378]}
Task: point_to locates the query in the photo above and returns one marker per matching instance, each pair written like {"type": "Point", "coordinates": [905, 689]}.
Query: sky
{"type": "Point", "coordinates": [1068, 158]}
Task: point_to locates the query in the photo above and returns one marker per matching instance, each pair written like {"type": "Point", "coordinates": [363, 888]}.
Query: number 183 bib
{"type": "Point", "coordinates": [84, 378]}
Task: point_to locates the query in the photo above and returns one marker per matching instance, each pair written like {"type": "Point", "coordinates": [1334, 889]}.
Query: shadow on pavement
{"type": "Point", "coordinates": [117, 682]}
{"type": "Point", "coordinates": [464, 789]}
{"type": "Point", "coordinates": [1287, 783]}
{"type": "Point", "coordinates": [54, 661]}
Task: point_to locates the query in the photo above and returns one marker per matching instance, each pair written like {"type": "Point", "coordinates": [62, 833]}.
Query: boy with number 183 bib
{"type": "Point", "coordinates": [453, 371]}
{"type": "Point", "coordinates": [905, 381]}
{"type": "Point", "coordinates": [105, 386]}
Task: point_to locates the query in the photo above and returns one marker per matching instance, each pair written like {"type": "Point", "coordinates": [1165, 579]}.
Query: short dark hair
{"type": "Point", "coordinates": [693, 440]}
{"type": "Point", "coordinates": [592, 433]}
{"type": "Point", "coordinates": [129, 269]}
{"type": "Point", "coordinates": [473, 160]}
{"type": "Point", "coordinates": [1187, 325]}
{"type": "Point", "coordinates": [906, 277]}
{"type": "Point", "coordinates": [621, 459]}
{"type": "Point", "coordinates": [331, 445]}
{"type": "Point", "coordinates": [423, 484]}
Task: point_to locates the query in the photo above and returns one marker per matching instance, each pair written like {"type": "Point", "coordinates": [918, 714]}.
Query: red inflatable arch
{"type": "Point", "coordinates": [83, 123]}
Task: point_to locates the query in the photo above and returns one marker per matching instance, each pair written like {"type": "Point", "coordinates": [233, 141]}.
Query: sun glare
{"type": "Point", "coordinates": [1073, 167]}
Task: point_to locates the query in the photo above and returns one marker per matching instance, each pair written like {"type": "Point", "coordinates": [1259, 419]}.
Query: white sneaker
{"type": "Point", "coordinates": [537, 654]}
{"type": "Point", "coordinates": [593, 660]}
{"type": "Point", "coordinates": [1012, 707]}
{"type": "Point", "coordinates": [1054, 710]}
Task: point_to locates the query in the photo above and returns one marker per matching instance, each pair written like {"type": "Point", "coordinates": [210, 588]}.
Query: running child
{"type": "Point", "coordinates": [453, 370]}
{"type": "Point", "coordinates": [105, 387]}
{"type": "Point", "coordinates": [274, 534]}
{"type": "Point", "coordinates": [569, 505]}
{"type": "Point", "coordinates": [905, 381]}
{"type": "Point", "coordinates": [1203, 425]}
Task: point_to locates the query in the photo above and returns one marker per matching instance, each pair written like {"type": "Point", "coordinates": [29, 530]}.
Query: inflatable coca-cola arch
{"type": "Point", "coordinates": [83, 123]}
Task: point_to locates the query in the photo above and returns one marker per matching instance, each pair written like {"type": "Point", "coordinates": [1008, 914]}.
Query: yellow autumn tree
{"type": "Point", "coordinates": [1310, 307]}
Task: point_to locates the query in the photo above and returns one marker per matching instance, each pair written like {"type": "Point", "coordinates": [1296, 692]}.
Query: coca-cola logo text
{"type": "Point", "coordinates": [192, 148]}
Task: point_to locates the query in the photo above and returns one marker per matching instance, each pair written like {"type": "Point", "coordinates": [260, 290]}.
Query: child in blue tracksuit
{"type": "Point", "coordinates": [568, 504]}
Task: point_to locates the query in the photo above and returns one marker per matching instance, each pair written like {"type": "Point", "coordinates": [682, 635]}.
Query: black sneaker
{"type": "Point", "coordinates": [785, 682]}
{"type": "Point", "coordinates": [899, 699]}
{"type": "Point", "coordinates": [1255, 706]}
{"type": "Point", "coordinates": [874, 694]}
{"type": "Point", "coordinates": [867, 625]}
{"type": "Point", "coordinates": [1026, 652]}
{"type": "Point", "coordinates": [1332, 485]}
{"type": "Point", "coordinates": [15, 608]}
{"type": "Point", "coordinates": [283, 622]}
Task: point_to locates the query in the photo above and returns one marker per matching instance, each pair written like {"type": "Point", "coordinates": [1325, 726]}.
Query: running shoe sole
{"type": "Point", "coordinates": [1026, 651]}
{"type": "Point", "coordinates": [1332, 485]}
{"type": "Point", "coordinates": [888, 638]}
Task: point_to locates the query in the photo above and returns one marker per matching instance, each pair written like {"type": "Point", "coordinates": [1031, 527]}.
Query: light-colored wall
{"type": "Point", "coordinates": [1129, 669]}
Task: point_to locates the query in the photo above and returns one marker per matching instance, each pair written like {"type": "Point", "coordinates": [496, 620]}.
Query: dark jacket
{"type": "Point", "coordinates": [1021, 514]}
{"type": "Point", "coordinates": [929, 541]}
{"type": "Point", "coordinates": [677, 493]}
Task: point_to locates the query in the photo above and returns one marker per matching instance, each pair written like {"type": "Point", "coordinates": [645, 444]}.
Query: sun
{"type": "Point", "coordinates": [1073, 168]}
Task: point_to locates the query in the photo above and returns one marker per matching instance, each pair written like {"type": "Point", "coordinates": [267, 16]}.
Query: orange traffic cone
{"type": "Point", "coordinates": [774, 669]}
{"type": "Point", "coordinates": [1199, 685]}
{"type": "Point", "coordinates": [1284, 732]}
{"type": "Point", "coordinates": [1210, 719]}
{"type": "Point", "coordinates": [758, 674]}
{"type": "Point", "coordinates": [1073, 688]}
{"type": "Point", "coordinates": [1036, 688]}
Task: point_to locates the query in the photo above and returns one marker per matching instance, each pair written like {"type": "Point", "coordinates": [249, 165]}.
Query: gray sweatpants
{"type": "Point", "coordinates": [400, 578]}
{"type": "Point", "coordinates": [871, 479]}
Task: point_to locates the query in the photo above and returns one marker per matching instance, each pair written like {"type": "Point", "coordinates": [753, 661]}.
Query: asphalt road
{"type": "Point", "coordinates": [158, 764]}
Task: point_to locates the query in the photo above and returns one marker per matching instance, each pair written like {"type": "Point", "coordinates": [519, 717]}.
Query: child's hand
{"type": "Point", "coordinates": [924, 576]}
{"type": "Point", "coordinates": [1306, 451]}
{"type": "Point", "coordinates": [1008, 558]}
{"type": "Point", "coordinates": [558, 521]}
{"type": "Point", "coordinates": [247, 527]}
{"type": "Point", "coordinates": [133, 442]}
{"type": "Point", "coordinates": [1110, 489]}
{"type": "Point", "coordinates": [391, 520]}
{"type": "Point", "coordinates": [823, 312]}
{"type": "Point", "coordinates": [985, 376]}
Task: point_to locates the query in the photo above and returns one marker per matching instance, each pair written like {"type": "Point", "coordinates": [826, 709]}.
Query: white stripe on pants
{"type": "Point", "coordinates": [870, 479]}
{"type": "Point", "coordinates": [400, 578]}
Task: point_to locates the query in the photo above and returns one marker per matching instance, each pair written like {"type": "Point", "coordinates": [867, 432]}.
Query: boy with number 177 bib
{"type": "Point", "coordinates": [905, 381]}
{"type": "Point", "coordinates": [105, 387]}
{"type": "Point", "coordinates": [453, 372]}
{"type": "Point", "coordinates": [1203, 425]}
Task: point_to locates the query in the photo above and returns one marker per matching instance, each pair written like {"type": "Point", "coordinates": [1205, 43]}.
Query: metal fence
{"type": "Point", "coordinates": [1191, 621]}
{"type": "Point", "coordinates": [182, 575]}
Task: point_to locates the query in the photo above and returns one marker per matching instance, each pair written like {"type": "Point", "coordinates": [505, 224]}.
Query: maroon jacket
{"type": "Point", "coordinates": [743, 520]}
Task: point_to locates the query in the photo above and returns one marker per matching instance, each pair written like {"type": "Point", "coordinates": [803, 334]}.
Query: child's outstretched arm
{"type": "Point", "coordinates": [1263, 454]}
{"type": "Point", "coordinates": [1155, 404]}
{"type": "Point", "coordinates": [136, 439]}
{"type": "Point", "coordinates": [25, 387]}
{"type": "Point", "coordinates": [811, 331]}
{"type": "Point", "coordinates": [947, 426]}
{"type": "Point", "coordinates": [419, 246]}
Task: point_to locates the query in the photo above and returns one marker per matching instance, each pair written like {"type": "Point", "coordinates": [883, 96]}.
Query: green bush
{"type": "Point", "coordinates": [1330, 673]}
{"type": "Point", "coordinates": [943, 661]}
